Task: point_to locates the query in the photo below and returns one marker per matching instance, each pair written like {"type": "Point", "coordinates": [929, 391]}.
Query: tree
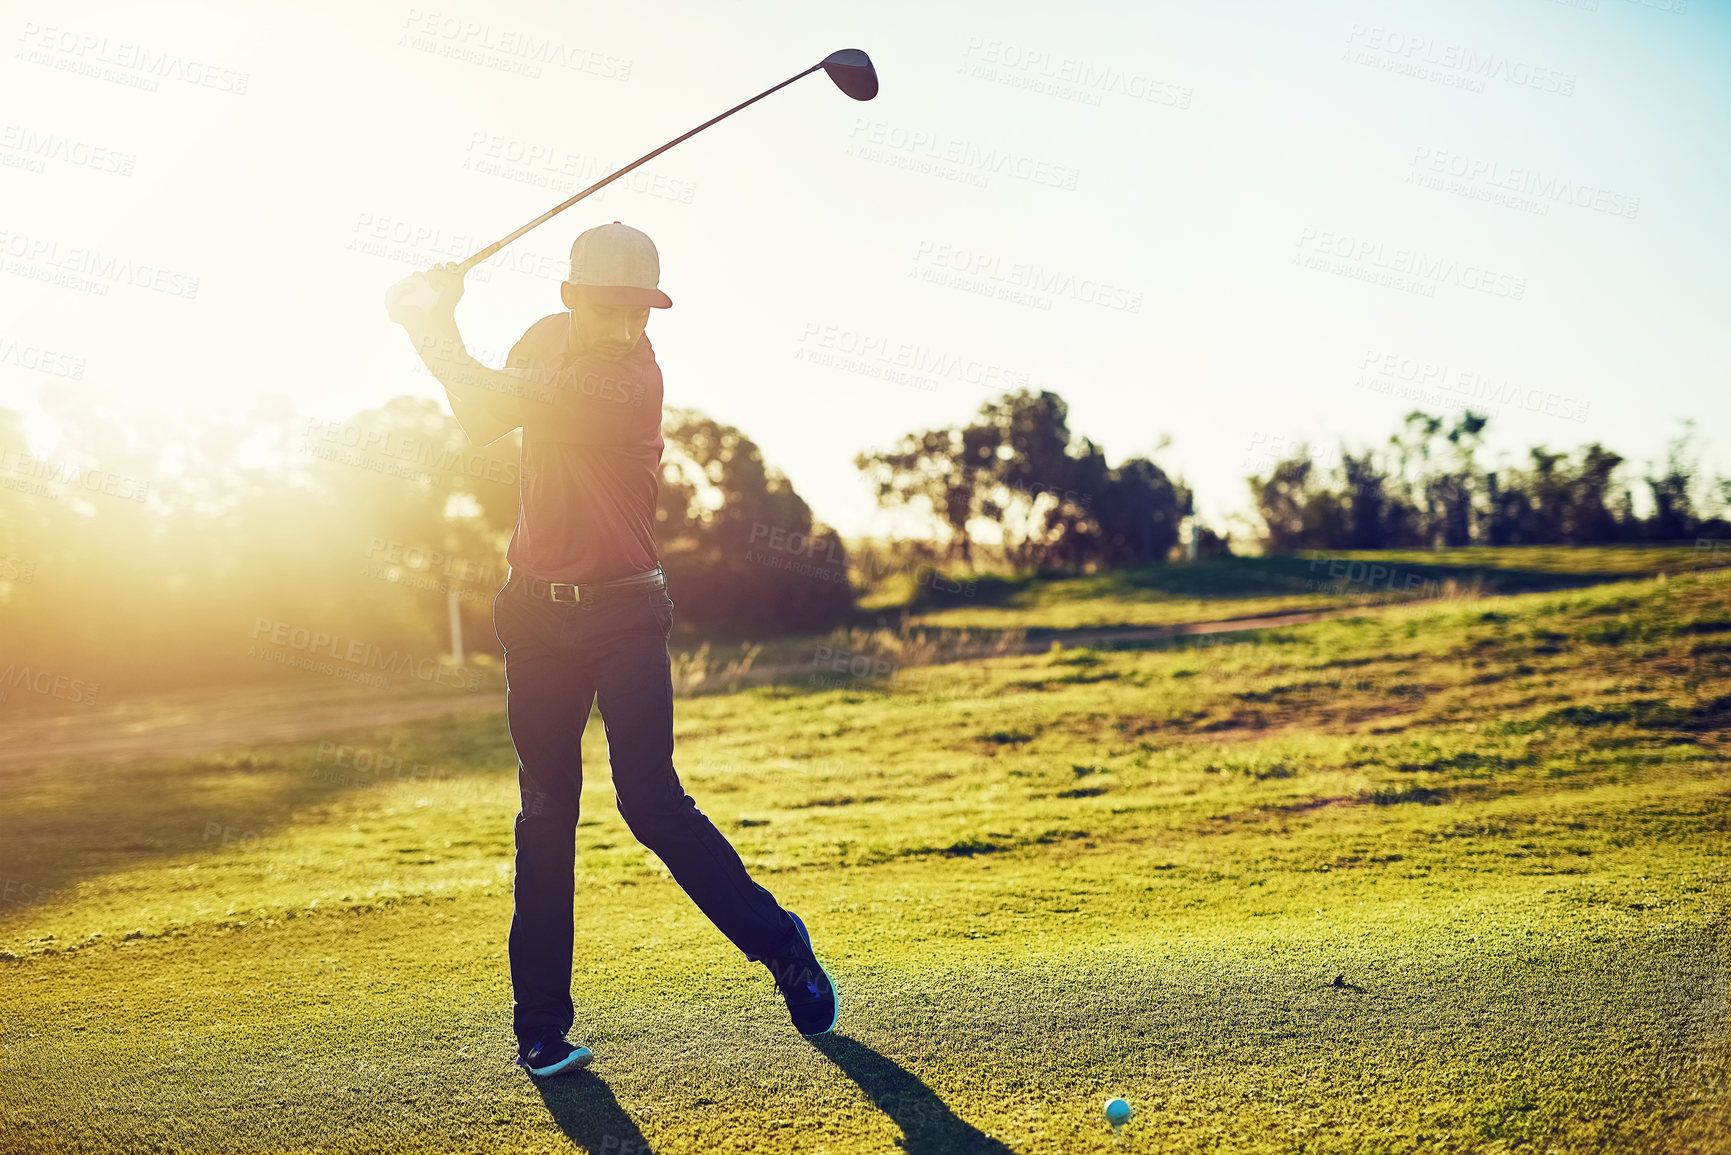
{"type": "Point", "coordinates": [1049, 497]}
{"type": "Point", "coordinates": [1453, 491]}
{"type": "Point", "coordinates": [939, 472]}
{"type": "Point", "coordinates": [1592, 517]}
{"type": "Point", "coordinates": [1138, 514]}
{"type": "Point", "coordinates": [1673, 501]}
{"type": "Point", "coordinates": [740, 546]}
{"type": "Point", "coordinates": [1366, 500]}
{"type": "Point", "coordinates": [1297, 509]}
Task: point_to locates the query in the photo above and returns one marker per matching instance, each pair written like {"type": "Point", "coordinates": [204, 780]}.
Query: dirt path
{"type": "Point", "coordinates": [190, 724]}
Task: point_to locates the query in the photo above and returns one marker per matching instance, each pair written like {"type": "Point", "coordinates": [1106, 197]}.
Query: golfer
{"type": "Point", "coordinates": [584, 615]}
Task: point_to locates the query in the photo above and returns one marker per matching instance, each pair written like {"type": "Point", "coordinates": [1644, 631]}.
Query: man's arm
{"type": "Point", "coordinates": [488, 403]}
{"type": "Point", "coordinates": [576, 403]}
{"type": "Point", "coordinates": [484, 400]}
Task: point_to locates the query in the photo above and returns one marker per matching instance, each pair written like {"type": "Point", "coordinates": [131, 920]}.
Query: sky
{"type": "Point", "coordinates": [1214, 228]}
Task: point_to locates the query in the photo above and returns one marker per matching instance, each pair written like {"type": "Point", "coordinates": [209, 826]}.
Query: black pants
{"type": "Point", "coordinates": [559, 656]}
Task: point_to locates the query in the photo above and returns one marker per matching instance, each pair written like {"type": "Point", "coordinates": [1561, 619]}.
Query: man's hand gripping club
{"type": "Point", "coordinates": [486, 401]}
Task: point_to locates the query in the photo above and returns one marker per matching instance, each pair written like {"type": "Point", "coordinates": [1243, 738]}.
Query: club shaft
{"type": "Point", "coordinates": [609, 179]}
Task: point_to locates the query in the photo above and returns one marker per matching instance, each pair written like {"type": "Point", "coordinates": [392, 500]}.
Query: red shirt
{"type": "Point", "coordinates": [591, 459]}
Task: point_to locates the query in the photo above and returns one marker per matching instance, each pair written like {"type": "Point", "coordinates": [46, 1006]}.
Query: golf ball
{"type": "Point", "coordinates": [1117, 1110]}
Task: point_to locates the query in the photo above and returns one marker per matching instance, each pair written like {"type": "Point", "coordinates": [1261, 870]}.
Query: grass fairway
{"type": "Point", "coordinates": [1436, 878]}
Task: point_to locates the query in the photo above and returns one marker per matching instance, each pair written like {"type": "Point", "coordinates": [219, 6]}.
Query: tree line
{"type": "Point", "coordinates": [165, 548]}
{"type": "Point", "coordinates": [1427, 488]}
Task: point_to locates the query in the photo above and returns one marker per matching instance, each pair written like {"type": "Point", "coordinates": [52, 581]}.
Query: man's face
{"type": "Point", "coordinates": [609, 332]}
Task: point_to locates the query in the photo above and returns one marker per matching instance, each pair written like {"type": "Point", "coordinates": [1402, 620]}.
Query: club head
{"type": "Point", "coordinates": [852, 72]}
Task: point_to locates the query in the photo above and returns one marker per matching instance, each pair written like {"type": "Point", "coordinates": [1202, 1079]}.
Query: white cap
{"type": "Point", "coordinates": [617, 265]}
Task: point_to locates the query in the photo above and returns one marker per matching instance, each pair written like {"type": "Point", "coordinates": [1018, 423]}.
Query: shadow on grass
{"type": "Point", "coordinates": [585, 1109]}
{"type": "Point", "coordinates": [929, 1127]}
{"type": "Point", "coordinates": [111, 818]}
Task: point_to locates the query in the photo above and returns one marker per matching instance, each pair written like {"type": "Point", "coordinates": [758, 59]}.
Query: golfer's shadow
{"type": "Point", "coordinates": [585, 1109]}
{"type": "Point", "coordinates": [929, 1127]}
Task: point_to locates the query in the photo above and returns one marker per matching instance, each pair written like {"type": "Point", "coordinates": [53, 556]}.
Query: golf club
{"type": "Point", "coordinates": [850, 69]}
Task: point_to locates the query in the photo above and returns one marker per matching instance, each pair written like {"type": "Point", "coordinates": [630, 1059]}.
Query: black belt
{"type": "Point", "coordinates": [570, 593]}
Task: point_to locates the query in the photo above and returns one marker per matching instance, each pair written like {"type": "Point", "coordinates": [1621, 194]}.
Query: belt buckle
{"type": "Point", "coordinates": [553, 589]}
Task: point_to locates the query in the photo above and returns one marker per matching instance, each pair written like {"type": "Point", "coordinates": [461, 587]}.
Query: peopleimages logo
{"type": "Point", "coordinates": [371, 768]}
{"type": "Point", "coordinates": [17, 892]}
{"type": "Point", "coordinates": [408, 241]}
{"type": "Point", "coordinates": [88, 270]}
{"type": "Point", "coordinates": [416, 557]}
{"type": "Point", "coordinates": [1372, 260]}
{"type": "Point", "coordinates": [1433, 382]}
{"type": "Point", "coordinates": [392, 450]}
{"type": "Point", "coordinates": [310, 644]}
{"type": "Point", "coordinates": [550, 165]}
{"type": "Point", "coordinates": [1473, 176]}
{"type": "Point", "coordinates": [1066, 77]}
{"type": "Point", "coordinates": [881, 140]}
{"type": "Point", "coordinates": [36, 359]}
{"type": "Point", "coordinates": [1455, 65]}
{"type": "Point", "coordinates": [1036, 282]}
{"type": "Point", "coordinates": [926, 363]}
{"type": "Point", "coordinates": [505, 48]}
{"type": "Point", "coordinates": [83, 479]}
{"type": "Point", "coordinates": [48, 684]}
{"type": "Point", "coordinates": [35, 149]}
{"type": "Point", "coordinates": [123, 62]}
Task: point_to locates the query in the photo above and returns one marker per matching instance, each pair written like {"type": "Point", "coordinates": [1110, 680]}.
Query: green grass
{"type": "Point", "coordinates": [1234, 587]}
{"type": "Point", "coordinates": [1041, 881]}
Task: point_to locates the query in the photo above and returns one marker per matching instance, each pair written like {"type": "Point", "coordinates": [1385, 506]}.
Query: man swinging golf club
{"type": "Point", "coordinates": [584, 615]}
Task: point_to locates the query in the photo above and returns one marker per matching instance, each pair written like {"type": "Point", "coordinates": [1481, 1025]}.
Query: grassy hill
{"type": "Point", "coordinates": [1249, 586]}
{"type": "Point", "coordinates": [1437, 877]}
